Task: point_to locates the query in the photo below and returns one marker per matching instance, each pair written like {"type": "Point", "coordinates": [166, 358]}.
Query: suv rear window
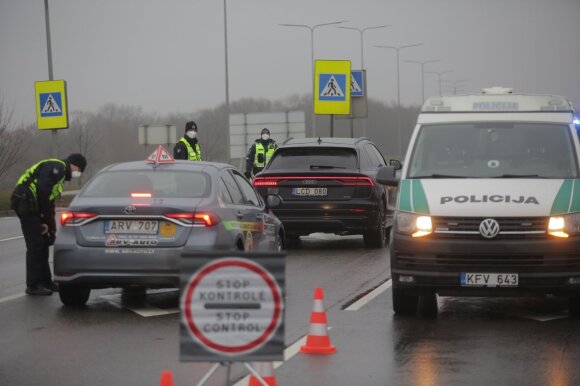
{"type": "Point", "coordinates": [169, 184]}
{"type": "Point", "coordinates": [314, 158]}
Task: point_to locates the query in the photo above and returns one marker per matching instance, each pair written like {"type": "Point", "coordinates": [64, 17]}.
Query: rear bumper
{"type": "Point", "coordinates": [544, 266]}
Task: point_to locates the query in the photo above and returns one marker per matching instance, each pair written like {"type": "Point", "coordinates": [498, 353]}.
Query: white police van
{"type": "Point", "coordinates": [489, 200]}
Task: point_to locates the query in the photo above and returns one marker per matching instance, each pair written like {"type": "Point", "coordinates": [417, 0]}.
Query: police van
{"type": "Point", "coordinates": [488, 202]}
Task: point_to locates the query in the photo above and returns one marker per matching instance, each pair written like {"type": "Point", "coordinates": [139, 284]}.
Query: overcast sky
{"type": "Point", "coordinates": [168, 55]}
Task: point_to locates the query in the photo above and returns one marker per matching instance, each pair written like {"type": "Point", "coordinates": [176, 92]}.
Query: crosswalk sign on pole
{"type": "Point", "coordinates": [357, 83]}
{"type": "Point", "coordinates": [51, 104]}
{"type": "Point", "coordinates": [332, 87]}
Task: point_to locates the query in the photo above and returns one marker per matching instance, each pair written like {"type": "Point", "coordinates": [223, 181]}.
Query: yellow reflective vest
{"type": "Point", "coordinates": [192, 155]}
{"type": "Point", "coordinates": [31, 180]}
{"type": "Point", "coordinates": [266, 153]}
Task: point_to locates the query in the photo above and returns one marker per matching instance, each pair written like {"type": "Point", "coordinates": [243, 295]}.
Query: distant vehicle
{"type": "Point", "coordinates": [489, 201]}
{"type": "Point", "coordinates": [131, 222]}
{"type": "Point", "coordinates": [329, 185]}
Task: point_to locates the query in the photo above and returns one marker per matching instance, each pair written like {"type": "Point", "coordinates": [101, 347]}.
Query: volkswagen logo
{"type": "Point", "coordinates": [130, 209]}
{"type": "Point", "coordinates": [309, 182]}
{"type": "Point", "coordinates": [489, 228]}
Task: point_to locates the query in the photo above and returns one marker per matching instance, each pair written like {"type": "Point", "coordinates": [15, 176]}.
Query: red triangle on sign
{"type": "Point", "coordinates": [160, 155]}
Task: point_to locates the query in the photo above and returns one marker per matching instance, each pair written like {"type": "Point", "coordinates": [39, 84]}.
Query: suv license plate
{"type": "Point", "coordinates": [310, 191]}
{"type": "Point", "coordinates": [140, 227]}
{"type": "Point", "coordinates": [469, 279]}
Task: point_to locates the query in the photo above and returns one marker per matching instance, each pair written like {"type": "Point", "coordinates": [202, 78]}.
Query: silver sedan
{"type": "Point", "coordinates": [131, 222]}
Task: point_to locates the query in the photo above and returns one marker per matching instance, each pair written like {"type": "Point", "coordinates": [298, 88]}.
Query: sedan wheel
{"type": "Point", "coordinates": [73, 295]}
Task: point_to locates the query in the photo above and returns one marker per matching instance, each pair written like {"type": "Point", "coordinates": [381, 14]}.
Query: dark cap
{"type": "Point", "coordinates": [78, 160]}
{"type": "Point", "coordinates": [190, 126]}
{"type": "Point", "coordinates": [265, 131]}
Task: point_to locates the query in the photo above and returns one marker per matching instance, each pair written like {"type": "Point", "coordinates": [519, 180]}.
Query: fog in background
{"type": "Point", "coordinates": [168, 56]}
{"type": "Point", "coordinates": [133, 62]}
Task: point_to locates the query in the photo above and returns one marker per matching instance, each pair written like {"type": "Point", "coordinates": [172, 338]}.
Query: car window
{"type": "Point", "coordinates": [233, 189]}
{"type": "Point", "coordinates": [224, 193]}
{"type": "Point", "coordinates": [372, 157]}
{"type": "Point", "coordinates": [378, 154]}
{"type": "Point", "coordinates": [166, 183]}
{"type": "Point", "coordinates": [247, 189]}
{"type": "Point", "coordinates": [314, 158]}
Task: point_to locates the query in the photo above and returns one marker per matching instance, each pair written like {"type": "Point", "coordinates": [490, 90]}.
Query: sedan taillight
{"type": "Point", "coordinates": [74, 218]}
{"type": "Point", "coordinates": [202, 219]}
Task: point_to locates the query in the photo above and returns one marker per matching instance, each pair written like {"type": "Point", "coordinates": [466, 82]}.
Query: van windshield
{"type": "Point", "coordinates": [493, 150]}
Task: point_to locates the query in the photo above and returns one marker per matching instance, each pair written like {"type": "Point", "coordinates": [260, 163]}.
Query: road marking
{"type": "Point", "coordinates": [12, 238]}
{"type": "Point", "coordinates": [370, 296]}
{"type": "Point", "coordinates": [12, 297]}
{"type": "Point", "coordinates": [146, 310]}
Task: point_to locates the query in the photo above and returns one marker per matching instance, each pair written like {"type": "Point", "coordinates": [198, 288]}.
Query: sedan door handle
{"type": "Point", "coordinates": [239, 214]}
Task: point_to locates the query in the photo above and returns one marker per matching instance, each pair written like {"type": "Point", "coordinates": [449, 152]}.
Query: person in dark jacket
{"type": "Point", "coordinates": [260, 153]}
{"type": "Point", "coordinates": [33, 201]}
{"type": "Point", "coordinates": [187, 147]}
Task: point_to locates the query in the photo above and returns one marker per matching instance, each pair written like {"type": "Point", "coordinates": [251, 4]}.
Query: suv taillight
{"type": "Point", "coordinates": [344, 180]}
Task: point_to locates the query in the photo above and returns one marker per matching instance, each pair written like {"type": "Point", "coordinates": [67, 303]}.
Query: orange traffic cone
{"type": "Point", "coordinates": [266, 371]}
{"type": "Point", "coordinates": [318, 341]}
{"type": "Point", "coordinates": [166, 378]}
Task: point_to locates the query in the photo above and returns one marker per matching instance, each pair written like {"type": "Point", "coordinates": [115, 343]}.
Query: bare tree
{"type": "Point", "coordinates": [12, 141]}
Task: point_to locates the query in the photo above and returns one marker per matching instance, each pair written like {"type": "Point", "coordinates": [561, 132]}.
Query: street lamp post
{"type": "Point", "coordinates": [397, 50]}
{"type": "Point", "coordinates": [455, 83]}
{"type": "Point", "coordinates": [439, 73]}
{"type": "Point", "coordinates": [227, 136]}
{"type": "Point", "coordinates": [312, 29]}
{"type": "Point", "coordinates": [50, 72]}
{"type": "Point", "coordinates": [361, 31]}
{"type": "Point", "coordinates": [422, 64]}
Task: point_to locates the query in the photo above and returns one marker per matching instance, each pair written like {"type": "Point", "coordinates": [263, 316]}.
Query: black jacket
{"type": "Point", "coordinates": [180, 150]}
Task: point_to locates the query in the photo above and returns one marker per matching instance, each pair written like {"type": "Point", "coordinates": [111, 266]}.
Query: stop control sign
{"type": "Point", "coordinates": [232, 307]}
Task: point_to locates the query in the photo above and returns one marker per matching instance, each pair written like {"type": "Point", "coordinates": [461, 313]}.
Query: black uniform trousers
{"type": "Point", "coordinates": [37, 266]}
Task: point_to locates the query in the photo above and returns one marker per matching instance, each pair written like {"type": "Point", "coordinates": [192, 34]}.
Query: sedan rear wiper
{"type": "Point", "coordinates": [439, 176]}
{"type": "Point", "coordinates": [326, 167]}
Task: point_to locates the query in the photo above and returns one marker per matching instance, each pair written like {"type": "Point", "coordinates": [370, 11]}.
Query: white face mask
{"type": "Point", "coordinates": [76, 174]}
{"type": "Point", "coordinates": [265, 137]}
{"type": "Point", "coordinates": [191, 134]}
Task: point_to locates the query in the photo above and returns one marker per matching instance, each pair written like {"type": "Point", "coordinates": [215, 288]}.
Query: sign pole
{"type": "Point", "coordinates": [50, 74]}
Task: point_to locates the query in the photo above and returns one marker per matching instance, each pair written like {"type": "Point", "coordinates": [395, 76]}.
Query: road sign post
{"type": "Point", "coordinates": [232, 307]}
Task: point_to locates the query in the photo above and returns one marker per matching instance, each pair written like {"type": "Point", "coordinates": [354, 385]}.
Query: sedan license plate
{"type": "Point", "coordinates": [140, 227]}
{"type": "Point", "coordinates": [310, 191]}
{"type": "Point", "coordinates": [469, 279]}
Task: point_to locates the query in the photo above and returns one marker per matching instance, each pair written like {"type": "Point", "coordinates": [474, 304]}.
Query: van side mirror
{"type": "Point", "coordinates": [396, 164]}
{"type": "Point", "coordinates": [386, 176]}
{"type": "Point", "coordinates": [273, 201]}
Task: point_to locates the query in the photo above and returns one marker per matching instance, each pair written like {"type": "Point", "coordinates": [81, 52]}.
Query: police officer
{"type": "Point", "coordinates": [260, 153]}
{"type": "Point", "coordinates": [33, 201]}
{"type": "Point", "coordinates": [187, 147]}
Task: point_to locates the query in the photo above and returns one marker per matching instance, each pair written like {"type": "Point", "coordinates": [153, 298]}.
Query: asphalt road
{"type": "Point", "coordinates": [120, 339]}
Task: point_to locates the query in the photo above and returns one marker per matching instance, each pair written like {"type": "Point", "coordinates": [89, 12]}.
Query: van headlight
{"type": "Point", "coordinates": [565, 225]}
{"type": "Point", "coordinates": [413, 224]}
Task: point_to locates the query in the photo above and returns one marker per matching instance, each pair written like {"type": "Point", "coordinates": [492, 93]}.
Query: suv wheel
{"type": "Point", "coordinates": [73, 295]}
{"type": "Point", "coordinates": [404, 303]}
{"type": "Point", "coordinates": [376, 238]}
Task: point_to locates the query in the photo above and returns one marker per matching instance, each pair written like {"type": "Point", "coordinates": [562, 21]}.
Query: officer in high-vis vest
{"type": "Point", "coordinates": [33, 201]}
{"type": "Point", "coordinates": [187, 147]}
{"type": "Point", "coordinates": [260, 153]}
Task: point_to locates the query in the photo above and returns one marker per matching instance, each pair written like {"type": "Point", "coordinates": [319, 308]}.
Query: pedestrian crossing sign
{"type": "Point", "coordinates": [51, 106]}
{"type": "Point", "coordinates": [356, 83]}
{"type": "Point", "coordinates": [331, 86]}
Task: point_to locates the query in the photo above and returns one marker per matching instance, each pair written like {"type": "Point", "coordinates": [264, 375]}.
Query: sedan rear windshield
{"type": "Point", "coordinates": [169, 184]}
{"type": "Point", "coordinates": [314, 158]}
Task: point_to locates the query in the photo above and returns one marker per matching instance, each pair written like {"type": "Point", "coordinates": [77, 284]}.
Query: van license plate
{"type": "Point", "coordinates": [310, 191]}
{"type": "Point", "coordinates": [469, 279]}
{"type": "Point", "coordinates": [141, 227]}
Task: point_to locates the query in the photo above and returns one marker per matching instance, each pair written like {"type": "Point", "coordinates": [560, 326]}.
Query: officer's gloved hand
{"type": "Point", "coordinates": [248, 175]}
{"type": "Point", "coordinates": [50, 237]}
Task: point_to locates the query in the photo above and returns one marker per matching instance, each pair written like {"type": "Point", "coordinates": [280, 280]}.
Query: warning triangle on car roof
{"type": "Point", "coordinates": [160, 155]}
{"type": "Point", "coordinates": [332, 88]}
{"type": "Point", "coordinates": [50, 106]}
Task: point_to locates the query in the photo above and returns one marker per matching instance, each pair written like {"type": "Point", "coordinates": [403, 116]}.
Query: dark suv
{"type": "Point", "coordinates": [328, 185]}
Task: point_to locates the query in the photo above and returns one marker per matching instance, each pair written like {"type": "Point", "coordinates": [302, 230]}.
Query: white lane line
{"type": "Point", "coordinates": [12, 238]}
{"type": "Point", "coordinates": [7, 218]}
{"type": "Point", "coordinates": [148, 311]}
{"type": "Point", "coordinates": [370, 296]}
{"type": "Point", "coordinates": [12, 297]}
